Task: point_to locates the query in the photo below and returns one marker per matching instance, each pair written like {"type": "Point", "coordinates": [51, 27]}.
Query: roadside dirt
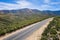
{"type": "Point", "coordinates": [37, 34]}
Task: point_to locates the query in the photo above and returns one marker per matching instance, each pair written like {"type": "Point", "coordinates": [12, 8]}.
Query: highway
{"type": "Point", "coordinates": [25, 33]}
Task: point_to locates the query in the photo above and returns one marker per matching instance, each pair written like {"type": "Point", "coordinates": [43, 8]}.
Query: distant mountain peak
{"type": "Point", "coordinates": [30, 12]}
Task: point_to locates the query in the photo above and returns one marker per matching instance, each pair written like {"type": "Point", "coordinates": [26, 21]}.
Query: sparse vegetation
{"type": "Point", "coordinates": [10, 22]}
{"type": "Point", "coordinates": [52, 31]}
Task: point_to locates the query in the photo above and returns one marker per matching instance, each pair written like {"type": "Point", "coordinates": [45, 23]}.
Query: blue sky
{"type": "Point", "coordinates": [32, 4]}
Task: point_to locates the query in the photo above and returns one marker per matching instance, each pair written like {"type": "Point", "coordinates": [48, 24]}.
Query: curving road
{"type": "Point", "coordinates": [25, 33]}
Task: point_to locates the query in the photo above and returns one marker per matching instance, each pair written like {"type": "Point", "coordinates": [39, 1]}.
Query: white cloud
{"type": "Point", "coordinates": [20, 4]}
{"type": "Point", "coordinates": [45, 7]}
{"type": "Point", "coordinates": [49, 7]}
{"type": "Point", "coordinates": [46, 1]}
{"type": "Point", "coordinates": [55, 3]}
{"type": "Point", "coordinates": [50, 2]}
{"type": "Point", "coordinates": [8, 6]}
{"type": "Point", "coordinates": [24, 3]}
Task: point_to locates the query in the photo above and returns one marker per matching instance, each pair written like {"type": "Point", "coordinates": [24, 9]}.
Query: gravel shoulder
{"type": "Point", "coordinates": [38, 33]}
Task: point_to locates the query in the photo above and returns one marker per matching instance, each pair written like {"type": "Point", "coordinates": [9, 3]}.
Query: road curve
{"type": "Point", "coordinates": [25, 33]}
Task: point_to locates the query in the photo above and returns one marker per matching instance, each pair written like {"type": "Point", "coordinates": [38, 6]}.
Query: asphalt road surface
{"type": "Point", "coordinates": [25, 33]}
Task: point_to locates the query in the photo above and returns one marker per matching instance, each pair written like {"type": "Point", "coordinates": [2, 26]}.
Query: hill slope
{"type": "Point", "coordinates": [11, 20]}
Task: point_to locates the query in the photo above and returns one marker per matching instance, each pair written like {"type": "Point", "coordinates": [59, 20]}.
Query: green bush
{"type": "Point", "coordinates": [52, 29]}
{"type": "Point", "coordinates": [12, 23]}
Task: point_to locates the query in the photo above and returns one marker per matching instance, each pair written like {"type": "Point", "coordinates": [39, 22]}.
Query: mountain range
{"type": "Point", "coordinates": [27, 11]}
